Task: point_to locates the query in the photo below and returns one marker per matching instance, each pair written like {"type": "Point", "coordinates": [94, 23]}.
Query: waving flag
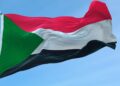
{"type": "Point", "coordinates": [26, 42]}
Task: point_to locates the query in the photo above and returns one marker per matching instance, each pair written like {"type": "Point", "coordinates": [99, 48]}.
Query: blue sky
{"type": "Point", "coordinates": [98, 69]}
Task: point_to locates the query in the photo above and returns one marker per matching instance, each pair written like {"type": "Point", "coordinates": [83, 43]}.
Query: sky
{"type": "Point", "coordinates": [101, 68]}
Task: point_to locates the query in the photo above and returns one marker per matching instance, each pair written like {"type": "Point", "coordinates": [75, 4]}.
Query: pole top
{"type": "Point", "coordinates": [0, 12]}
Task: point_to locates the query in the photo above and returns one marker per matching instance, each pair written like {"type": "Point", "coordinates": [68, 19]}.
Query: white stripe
{"type": "Point", "coordinates": [1, 30]}
{"type": "Point", "coordinates": [55, 40]}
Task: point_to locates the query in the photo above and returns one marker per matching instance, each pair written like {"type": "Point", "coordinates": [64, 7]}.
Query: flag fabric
{"type": "Point", "coordinates": [26, 42]}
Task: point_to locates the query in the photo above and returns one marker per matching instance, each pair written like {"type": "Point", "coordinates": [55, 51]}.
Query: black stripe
{"type": "Point", "coordinates": [53, 56]}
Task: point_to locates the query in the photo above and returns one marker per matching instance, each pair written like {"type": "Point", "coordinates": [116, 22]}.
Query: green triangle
{"type": "Point", "coordinates": [17, 45]}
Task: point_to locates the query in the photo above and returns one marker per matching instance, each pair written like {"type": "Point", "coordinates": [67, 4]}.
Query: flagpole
{"type": "Point", "coordinates": [0, 13]}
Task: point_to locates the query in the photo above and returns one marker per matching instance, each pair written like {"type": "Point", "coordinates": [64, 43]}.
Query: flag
{"type": "Point", "coordinates": [26, 42]}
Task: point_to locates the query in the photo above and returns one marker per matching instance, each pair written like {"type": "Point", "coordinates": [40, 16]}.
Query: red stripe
{"type": "Point", "coordinates": [98, 11]}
